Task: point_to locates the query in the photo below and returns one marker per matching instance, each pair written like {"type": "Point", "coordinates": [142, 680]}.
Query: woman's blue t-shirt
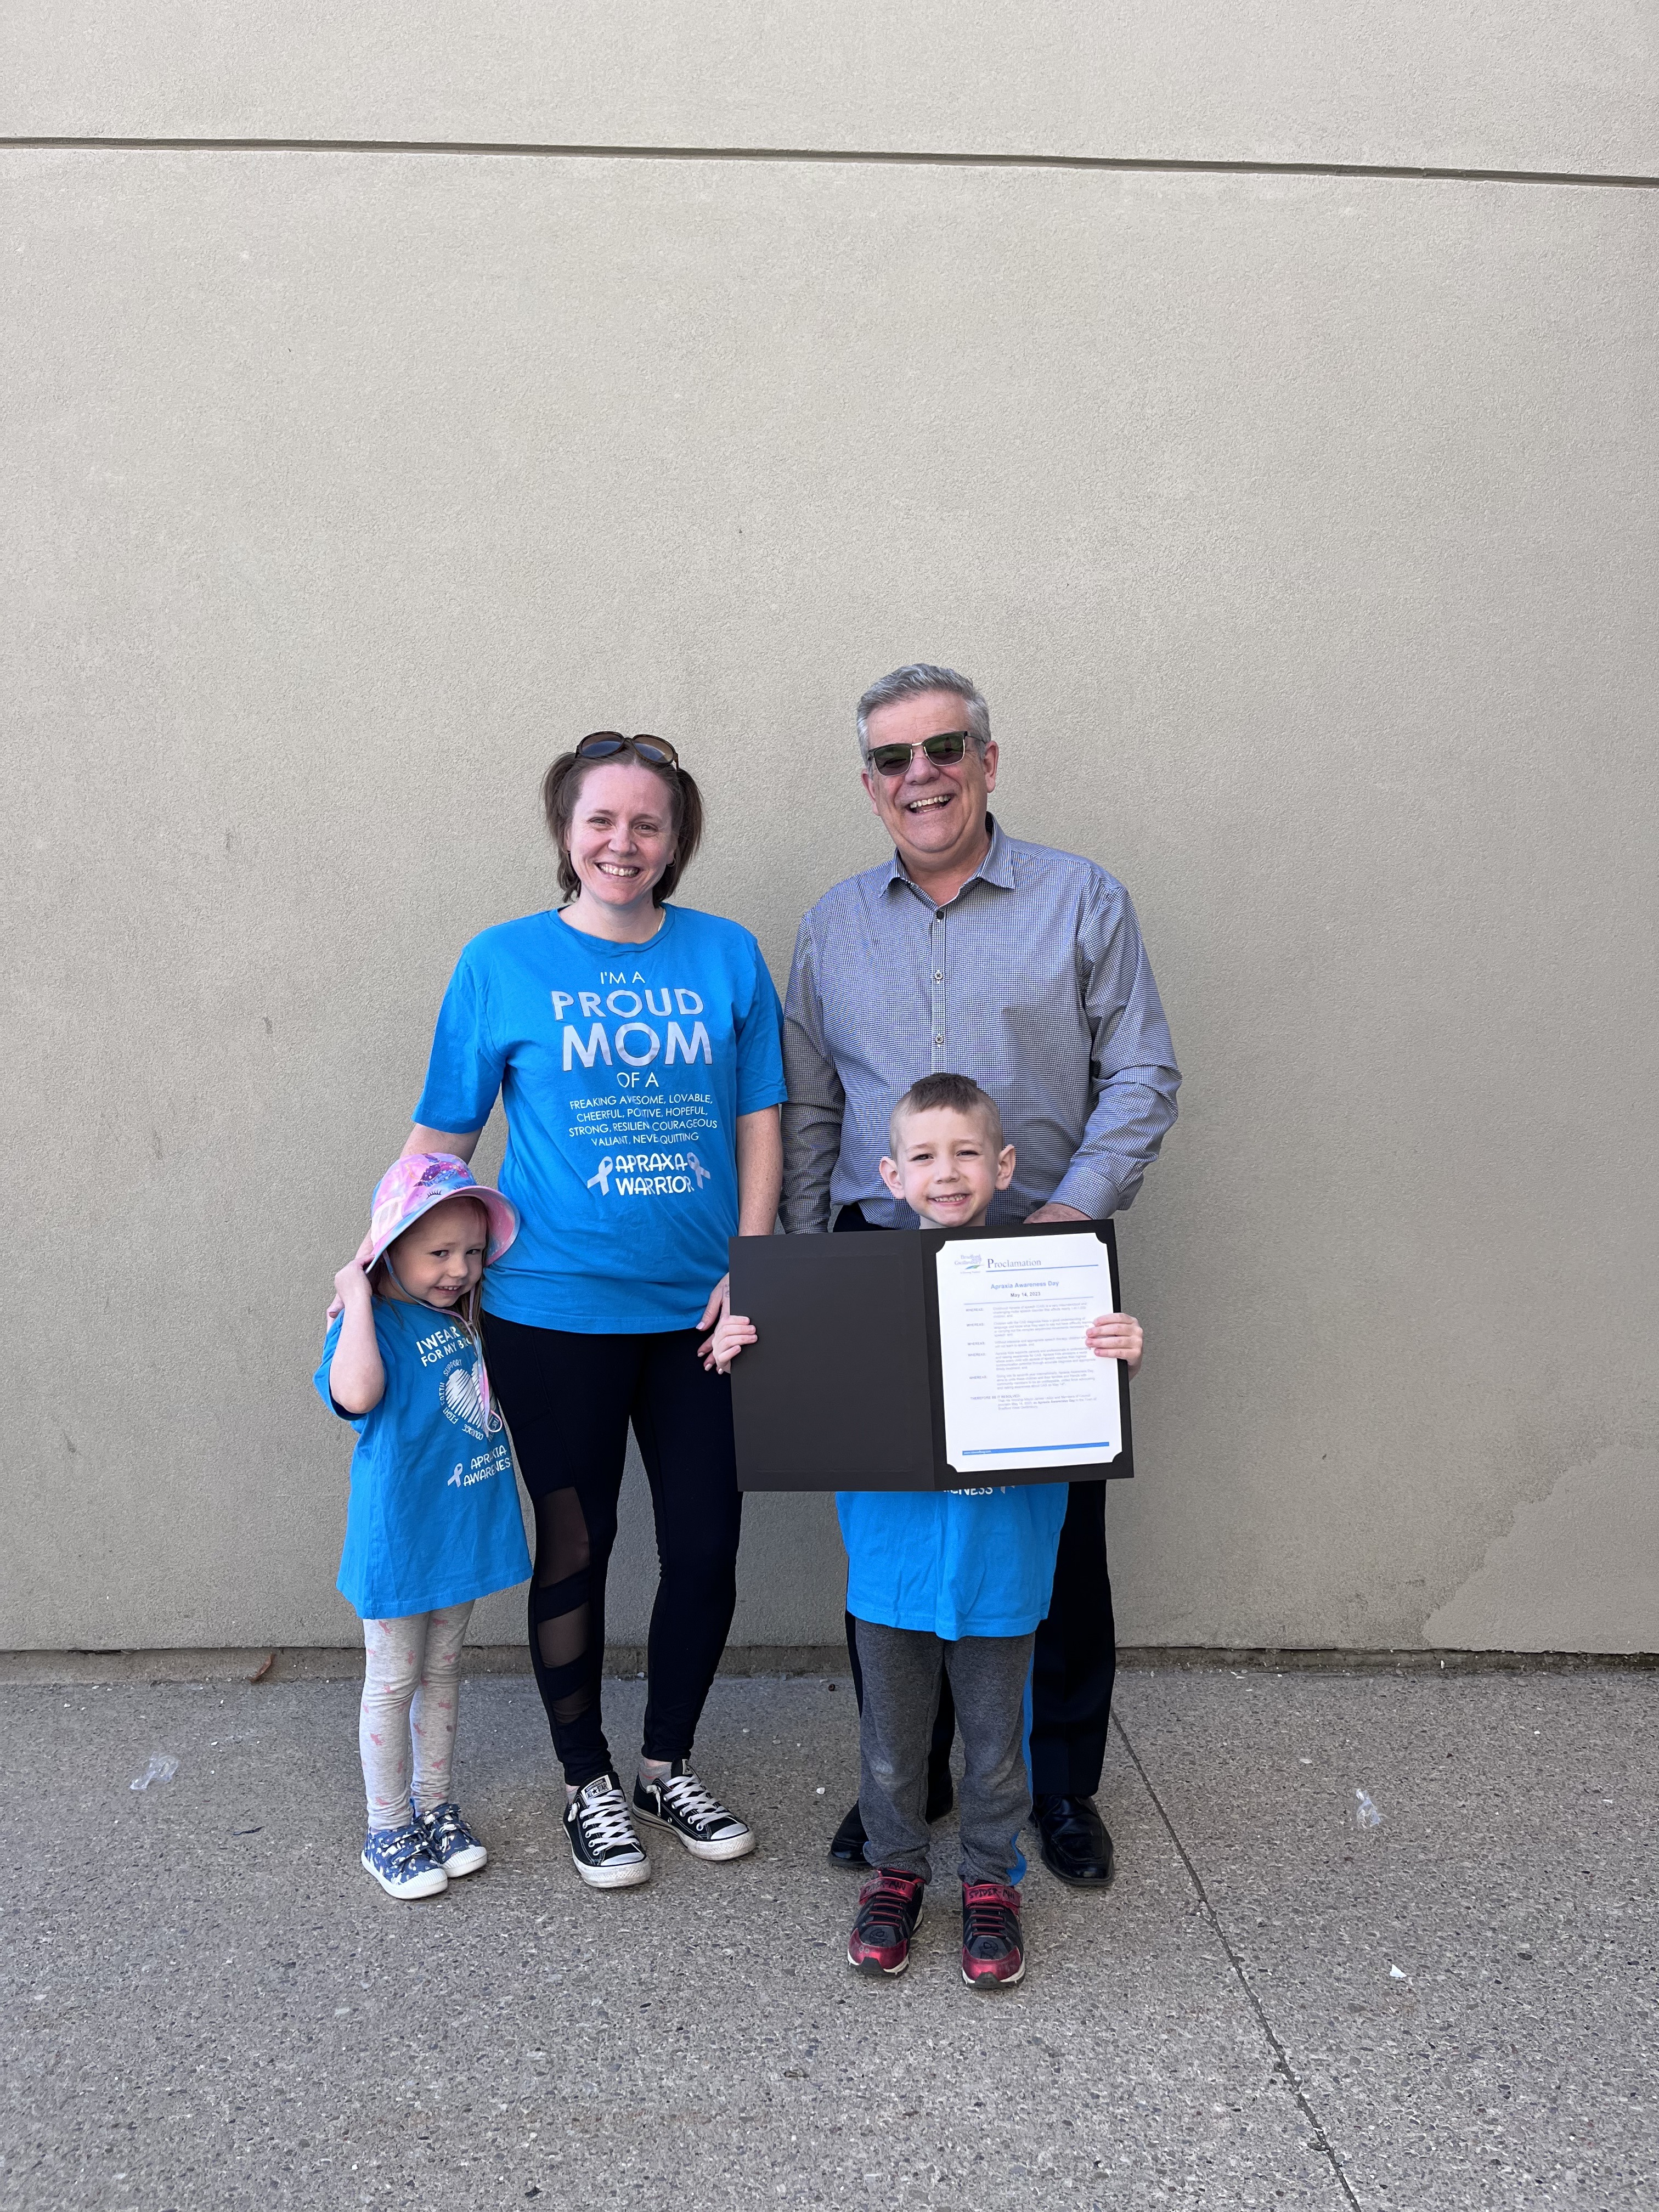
{"type": "Point", "coordinates": [434, 1518]}
{"type": "Point", "coordinates": [623, 1069]}
{"type": "Point", "coordinates": [953, 1562]}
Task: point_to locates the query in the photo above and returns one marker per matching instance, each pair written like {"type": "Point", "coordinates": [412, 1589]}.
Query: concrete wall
{"type": "Point", "coordinates": [1301, 529]}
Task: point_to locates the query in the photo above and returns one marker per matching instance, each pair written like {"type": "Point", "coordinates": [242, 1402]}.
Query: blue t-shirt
{"type": "Point", "coordinates": [434, 1518]}
{"type": "Point", "coordinates": [953, 1562]}
{"type": "Point", "coordinates": [623, 1069]}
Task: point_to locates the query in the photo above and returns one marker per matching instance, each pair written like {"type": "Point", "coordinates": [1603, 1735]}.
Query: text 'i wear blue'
{"type": "Point", "coordinates": [624, 1069]}
{"type": "Point", "coordinates": [434, 1518]}
{"type": "Point", "coordinates": [953, 1563]}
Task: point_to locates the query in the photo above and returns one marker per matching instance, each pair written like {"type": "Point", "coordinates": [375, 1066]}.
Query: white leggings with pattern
{"type": "Point", "coordinates": [411, 1677]}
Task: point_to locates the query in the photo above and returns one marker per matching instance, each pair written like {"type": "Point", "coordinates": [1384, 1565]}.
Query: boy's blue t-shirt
{"type": "Point", "coordinates": [624, 1069]}
{"type": "Point", "coordinates": [953, 1562]}
{"type": "Point", "coordinates": [434, 1518]}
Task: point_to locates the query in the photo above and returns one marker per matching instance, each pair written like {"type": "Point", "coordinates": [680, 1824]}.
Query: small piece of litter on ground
{"type": "Point", "coordinates": [1396, 1974]}
{"type": "Point", "coordinates": [1307, 1762]}
{"type": "Point", "coordinates": [160, 1769]}
{"type": "Point", "coordinates": [263, 1668]}
{"type": "Point", "coordinates": [818, 1792]}
{"type": "Point", "coordinates": [1367, 1815]}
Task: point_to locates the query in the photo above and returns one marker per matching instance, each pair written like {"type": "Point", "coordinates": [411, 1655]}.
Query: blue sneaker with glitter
{"type": "Point", "coordinates": [399, 1861]}
{"type": "Point", "coordinates": [449, 1843]}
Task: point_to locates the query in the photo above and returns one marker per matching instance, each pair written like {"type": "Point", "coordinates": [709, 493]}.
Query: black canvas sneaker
{"type": "Point", "coordinates": [602, 1840]}
{"type": "Point", "coordinates": [678, 1800]}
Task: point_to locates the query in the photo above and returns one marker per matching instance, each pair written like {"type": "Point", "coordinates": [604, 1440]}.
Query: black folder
{"type": "Point", "coordinates": [843, 1390]}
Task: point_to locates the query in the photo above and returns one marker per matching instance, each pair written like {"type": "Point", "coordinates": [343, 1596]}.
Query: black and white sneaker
{"type": "Point", "coordinates": [603, 1843]}
{"type": "Point", "coordinates": [678, 1800]}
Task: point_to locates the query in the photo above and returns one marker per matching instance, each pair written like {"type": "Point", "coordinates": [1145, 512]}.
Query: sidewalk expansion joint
{"type": "Point", "coordinates": [1282, 2064]}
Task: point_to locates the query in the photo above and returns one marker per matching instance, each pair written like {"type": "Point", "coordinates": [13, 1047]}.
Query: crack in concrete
{"type": "Point", "coordinates": [892, 157]}
{"type": "Point", "coordinates": [1282, 2064]}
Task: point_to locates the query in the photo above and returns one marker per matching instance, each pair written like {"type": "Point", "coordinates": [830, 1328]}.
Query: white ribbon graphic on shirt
{"type": "Point", "coordinates": [603, 1178]}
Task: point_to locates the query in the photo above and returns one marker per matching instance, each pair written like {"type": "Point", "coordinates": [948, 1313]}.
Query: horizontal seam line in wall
{"type": "Point", "coordinates": [1156, 165]}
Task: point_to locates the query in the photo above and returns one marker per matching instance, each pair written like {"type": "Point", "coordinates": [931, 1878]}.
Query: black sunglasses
{"type": "Point", "coordinates": [945, 751]}
{"type": "Point", "coordinates": [602, 745]}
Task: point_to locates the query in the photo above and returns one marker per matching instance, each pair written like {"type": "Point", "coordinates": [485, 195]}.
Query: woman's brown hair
{"type": "Point", "coordinates": [561, 787]}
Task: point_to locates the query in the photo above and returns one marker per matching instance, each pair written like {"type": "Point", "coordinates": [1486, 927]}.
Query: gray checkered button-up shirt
{"type": "Point", "coordinates": [1033, 980]}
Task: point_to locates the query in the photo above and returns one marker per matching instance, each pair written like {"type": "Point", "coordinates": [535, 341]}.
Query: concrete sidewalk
{"type": "Point", "coordinates": [208, 2005]}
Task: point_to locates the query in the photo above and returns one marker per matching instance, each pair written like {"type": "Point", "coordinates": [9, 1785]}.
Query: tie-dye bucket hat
{"type": "Point", "coordinates": [414, 1185]}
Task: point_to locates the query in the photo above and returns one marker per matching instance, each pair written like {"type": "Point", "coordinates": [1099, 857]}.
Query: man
{"type": "Point", "coordinates": [1022, 967]}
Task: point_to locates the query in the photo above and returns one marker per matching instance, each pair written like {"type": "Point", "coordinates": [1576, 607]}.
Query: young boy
{"type": "Point", "coordinates": [958, 1577]}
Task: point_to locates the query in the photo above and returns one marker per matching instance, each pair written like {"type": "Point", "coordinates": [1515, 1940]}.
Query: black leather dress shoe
{"type": "Point", "coordinates": [847, 1844]}
{"type": "Point", "coordinates": [1076, 1848]}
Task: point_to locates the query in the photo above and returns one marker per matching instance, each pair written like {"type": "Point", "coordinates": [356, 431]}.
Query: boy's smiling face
{"type": "Point", "coordinates": [948, 1168]}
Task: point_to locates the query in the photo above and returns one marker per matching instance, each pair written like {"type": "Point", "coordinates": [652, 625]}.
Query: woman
{"type": "Point", "coordinates": [635, 1049]}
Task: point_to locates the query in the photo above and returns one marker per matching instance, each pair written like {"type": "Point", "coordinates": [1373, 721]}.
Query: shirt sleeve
{"type": "Point", "coordinates": [817, 1101]}
{"type": "Point", "coordinates": [464, 1073]}
{"type": "Point", "coordinates": [1131, 1060]}
{"type": "Point", "coordinates": [331, 1346]}
{"type": "Point", "coordinates": [760, 1051]}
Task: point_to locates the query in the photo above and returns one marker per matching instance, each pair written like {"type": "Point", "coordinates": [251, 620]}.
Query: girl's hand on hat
{"type": "Point", "coordinates": [349, 1284]}
{"type": "Point", "coordinates": [353, 1267]}
{"type": "Point", "coordinates": [1116, 1336]}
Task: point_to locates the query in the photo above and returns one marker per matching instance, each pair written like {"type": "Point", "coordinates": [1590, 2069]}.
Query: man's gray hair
{"type": "Point", "coordinates": [914, 681]}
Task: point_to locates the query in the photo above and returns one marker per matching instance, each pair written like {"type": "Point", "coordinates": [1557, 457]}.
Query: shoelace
{"type": "Point", "coordinates": [691, 1800]}
{"type": "Point", "coordinates": [986, 1921]}
{"type": "Point", "coordinates": [605, 1822]}
{"type": "Point", "coordinates": [888, 1906]}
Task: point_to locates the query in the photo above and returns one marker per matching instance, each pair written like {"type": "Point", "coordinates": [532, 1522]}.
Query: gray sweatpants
{"type": "Point", "coordinates": [987, 1675]}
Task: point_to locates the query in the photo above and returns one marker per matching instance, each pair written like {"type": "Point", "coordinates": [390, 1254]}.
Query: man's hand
{"type": "Point", "coordinates": [1054, 1210]}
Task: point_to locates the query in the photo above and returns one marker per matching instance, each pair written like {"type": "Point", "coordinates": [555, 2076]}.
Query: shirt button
{"type": "Point", "coordinates": [938, 1040]}
{"type": "Point", "coordinates": [938, 974]}
{"type": "Point", "coordinates": [938, 914]}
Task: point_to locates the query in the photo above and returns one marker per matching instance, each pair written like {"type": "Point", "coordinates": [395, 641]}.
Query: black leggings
{"type": "Point", "coordinates": [569, 1401]}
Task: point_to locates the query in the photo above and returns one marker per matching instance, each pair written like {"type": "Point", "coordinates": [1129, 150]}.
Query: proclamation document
{"type": "Point", "coordinates": [1021, 1388]}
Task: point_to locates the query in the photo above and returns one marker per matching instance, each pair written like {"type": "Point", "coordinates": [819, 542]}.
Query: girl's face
{"type": "Point", "coordinates": [441, 1258]}
{"type": "Point", "coordinates": [622, 836]}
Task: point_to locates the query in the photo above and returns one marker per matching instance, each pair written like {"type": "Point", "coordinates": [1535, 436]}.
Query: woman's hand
{"type": "Point", "coordinates": [718, 1307]}
{"type": "Point", "coordinates": [1116, 1336]}
{"type": "Point", "coordinates": [734, 1331]}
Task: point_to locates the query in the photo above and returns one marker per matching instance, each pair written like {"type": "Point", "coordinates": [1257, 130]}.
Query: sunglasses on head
{"type": "Point", "coordinates": [944, 751]}
{"type": "Point", "coordinates": [602, 745]}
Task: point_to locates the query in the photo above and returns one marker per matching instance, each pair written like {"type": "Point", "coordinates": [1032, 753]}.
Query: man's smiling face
{"type": "Point", "coordinates": [935, 811]}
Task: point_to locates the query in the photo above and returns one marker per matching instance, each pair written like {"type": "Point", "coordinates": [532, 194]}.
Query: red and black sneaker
{"type": "Point", "coordinates": [992, 1956]}
{"type": "Point", "coordinates": [890, 1905]}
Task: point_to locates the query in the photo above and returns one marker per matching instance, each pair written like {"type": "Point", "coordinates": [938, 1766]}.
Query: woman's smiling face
{"type": "Point", "coordinates": [622, 834]}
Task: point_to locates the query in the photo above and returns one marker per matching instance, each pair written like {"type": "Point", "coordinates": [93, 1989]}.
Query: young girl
{"type": "Point", "coordinates": [434, 1520]}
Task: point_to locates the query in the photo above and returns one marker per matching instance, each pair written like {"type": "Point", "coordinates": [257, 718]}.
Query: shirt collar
{"type": "Point", "coordinates": [997, 867]}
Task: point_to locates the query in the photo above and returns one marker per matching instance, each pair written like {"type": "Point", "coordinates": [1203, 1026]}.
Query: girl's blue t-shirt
{"type": "Point", "coordinates": [623, 1069]}
{"type": "Point", "coordinates": [434, 1517]}
{"type": "Point", "coordinates": [953, 1562]}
